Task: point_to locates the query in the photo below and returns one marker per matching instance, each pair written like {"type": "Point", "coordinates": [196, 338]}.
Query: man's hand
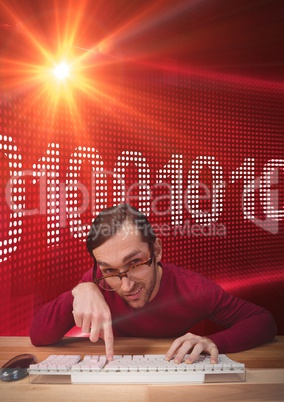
{"type": "Point", "coordinates": [194, 345]}
{"type": "Point", "coordinates": [92, 314]}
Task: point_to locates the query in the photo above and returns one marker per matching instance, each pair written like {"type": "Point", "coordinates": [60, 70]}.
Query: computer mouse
{"type": "Point", "coordinates": [17, 368]}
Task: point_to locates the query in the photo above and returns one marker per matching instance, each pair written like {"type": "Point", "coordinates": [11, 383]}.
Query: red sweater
{"type": "Point", "coordinates": [184, 299]}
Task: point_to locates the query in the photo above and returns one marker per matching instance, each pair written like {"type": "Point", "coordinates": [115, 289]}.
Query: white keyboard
{"type": "Point", "coordinates": [127, 369]}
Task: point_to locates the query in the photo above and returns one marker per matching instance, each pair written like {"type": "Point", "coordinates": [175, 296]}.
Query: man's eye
{"type": "Point", "coordinates": [109, 271]}
{"type": "Point", "coordinates": [134, 262]}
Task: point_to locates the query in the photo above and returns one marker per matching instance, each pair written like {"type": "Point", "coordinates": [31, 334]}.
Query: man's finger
{"type": "Point", "coordinates": [77, 319]}
{"type": "Point", "coordinates": [173, 348]}
{"type": "Point", "coordinates": [214, 355]}
{"type": "Point", "coordinates": [107, 335]}
{"type": "Point", "coordinates": [94, 335]}
{"type": "Point", "coordinates": [86, 325]}
{"type": "Point", "coordinates": [200, 347]}
{"type": "Point", "coordinates": [196, 351]}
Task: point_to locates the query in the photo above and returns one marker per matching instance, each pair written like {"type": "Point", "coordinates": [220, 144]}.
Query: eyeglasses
{"type": "Point", "coordinates": [112, 281]}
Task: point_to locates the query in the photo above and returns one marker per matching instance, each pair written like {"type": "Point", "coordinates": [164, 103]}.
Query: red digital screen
{"type": "Point", "coordinates": [177, 109]}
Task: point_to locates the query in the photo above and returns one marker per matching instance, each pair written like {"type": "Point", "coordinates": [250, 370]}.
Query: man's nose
{"type": "Point", "coordinates": [126, 284]}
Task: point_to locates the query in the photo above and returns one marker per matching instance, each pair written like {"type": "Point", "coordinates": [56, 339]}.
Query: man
{"type": "Point", "coordinates": [130, 292]}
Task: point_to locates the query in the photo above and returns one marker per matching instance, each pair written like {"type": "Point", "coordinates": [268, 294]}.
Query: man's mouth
{"type": "Point", "coordinates": [133, 295]}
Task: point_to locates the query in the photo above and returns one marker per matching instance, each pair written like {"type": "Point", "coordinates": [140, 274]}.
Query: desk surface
{"type": "Point", "coordinates": [265, 375]}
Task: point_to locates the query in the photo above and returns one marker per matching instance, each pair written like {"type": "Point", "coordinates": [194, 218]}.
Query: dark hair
{"type": "Point", "coordinates": [110, 220]}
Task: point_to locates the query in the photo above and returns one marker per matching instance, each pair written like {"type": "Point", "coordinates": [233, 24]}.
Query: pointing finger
{"type": "Point", "coordinates": [107, 335]}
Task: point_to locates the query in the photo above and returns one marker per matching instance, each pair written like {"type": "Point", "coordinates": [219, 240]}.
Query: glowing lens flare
{"type": "Point", "coordinates": [85, 50]}
{"type": "Point", "coordinates": [62, 71]}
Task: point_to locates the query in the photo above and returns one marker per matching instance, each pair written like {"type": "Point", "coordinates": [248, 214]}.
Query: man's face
{"type": "Point", "coordinates": [126, 248]}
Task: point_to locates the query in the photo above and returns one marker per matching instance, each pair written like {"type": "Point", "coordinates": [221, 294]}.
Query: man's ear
{"type": "Point", "coordinates": [158, 249]}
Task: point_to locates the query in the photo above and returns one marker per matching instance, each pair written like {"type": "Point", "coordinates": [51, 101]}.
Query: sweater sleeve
{"type": "Point", "coordinates": [246, 324]}
{"type": "Point", "coordinates": [55, 318]}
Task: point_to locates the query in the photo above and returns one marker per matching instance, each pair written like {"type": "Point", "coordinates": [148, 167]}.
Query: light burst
{"type": "Point", "coordinates": [60, 52]}
{"type": "Point", "coordinates": [62, 71]}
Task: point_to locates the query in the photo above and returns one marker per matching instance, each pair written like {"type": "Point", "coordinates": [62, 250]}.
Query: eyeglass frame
{"type": "Point", "coordinates": [120, 275]}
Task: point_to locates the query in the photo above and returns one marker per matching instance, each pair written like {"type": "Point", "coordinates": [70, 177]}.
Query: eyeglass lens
{"type": "Point", "coordinates": [139, 272]}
